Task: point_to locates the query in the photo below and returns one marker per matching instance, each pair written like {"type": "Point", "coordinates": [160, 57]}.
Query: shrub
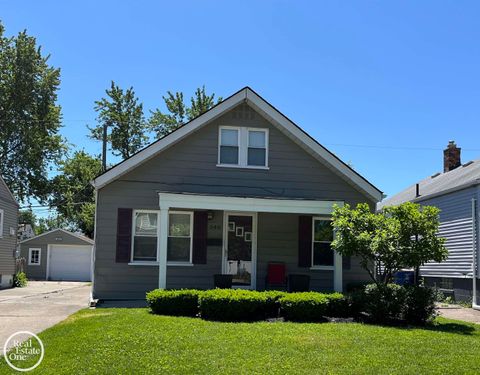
{"type": "Point", "coordinates": [356, 286]}
{"type": "Point", "coordinates": [183, 302]}
{"type": "Point", "coordinates": [234, 305]}
{"type": "Point", "coordinates": [339, 306]}
{"type": "Point", "coordinates": [383, 303]}
{"type": "Point", "coordinates": [419, 306]}
{"type": "Point", "coordinates": [20, 280]}
{"type": "Point", "coordinates": [305, 306]}
{"type": "Point", "coordinates": [272, 307]}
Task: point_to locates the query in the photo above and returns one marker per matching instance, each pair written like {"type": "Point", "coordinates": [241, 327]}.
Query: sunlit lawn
{"type": "Point", "coordinates": [118, 341]}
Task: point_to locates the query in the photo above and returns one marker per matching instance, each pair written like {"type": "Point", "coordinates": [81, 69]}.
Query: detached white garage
{"type": "Point", "coordinates": [58, 255]}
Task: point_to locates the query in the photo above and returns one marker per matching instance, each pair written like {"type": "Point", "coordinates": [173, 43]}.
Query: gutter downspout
{"type": "Point", "coordinates": [475, 233]}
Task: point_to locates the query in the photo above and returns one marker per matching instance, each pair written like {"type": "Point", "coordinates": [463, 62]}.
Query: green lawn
{"type": "Point", "coordinates": [118, 341]}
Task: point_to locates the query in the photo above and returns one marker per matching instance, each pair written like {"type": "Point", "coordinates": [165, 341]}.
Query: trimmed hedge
{"type": "Point", "coordinates": [312, 306]}
{"type": "Point", "coordinates": [234, 305]}
{"type": "Point", "coordinates": [385, 304]}
{"type": "Point", "coordinates": [183, 302]}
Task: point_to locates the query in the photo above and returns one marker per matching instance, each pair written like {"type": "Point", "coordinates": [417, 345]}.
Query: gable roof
{"type": "Point", "coordinates": [438, 184]}
{"type": "Point", "coordinates": [8, 191]}
{"type": "Point", "coordinates": [283, 123]}
{"type": "Point", "coordinates": [79, 236]}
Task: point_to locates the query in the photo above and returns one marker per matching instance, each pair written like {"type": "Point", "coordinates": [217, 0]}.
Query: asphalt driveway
{"type": "Point", "coordinates": [40, 305]}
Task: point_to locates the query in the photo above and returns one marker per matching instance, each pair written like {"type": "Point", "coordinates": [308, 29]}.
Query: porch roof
{"type": "Point", "coordinates": [247, 204]}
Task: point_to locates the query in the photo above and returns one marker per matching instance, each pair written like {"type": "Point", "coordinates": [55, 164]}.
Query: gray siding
{"type": "Point", "coordinates": [200, 276]}
{"type": "Point", "coordinates": [41, 242]}
{"type": "Point", "coordinates": [35, 272]}
{"type": "Point", "coordinates": [190, 166]}
{"type": "Point", "coordinates": [8, 242]}
{"type": "Point", "coordinates": [278, 242]}
{"type": "Point", "coordinates": [456, 227]}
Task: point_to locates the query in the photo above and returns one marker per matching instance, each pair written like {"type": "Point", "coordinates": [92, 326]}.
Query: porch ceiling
{"type": "Point", "coordinates": [215, 202]}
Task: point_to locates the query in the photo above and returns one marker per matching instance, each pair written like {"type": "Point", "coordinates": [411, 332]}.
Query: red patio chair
{"type": "Point", "coordinates": [276, 275]}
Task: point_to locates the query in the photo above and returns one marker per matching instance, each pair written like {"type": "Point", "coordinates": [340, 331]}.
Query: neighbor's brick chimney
{"type": "Point", "coordinates": [451, 157]}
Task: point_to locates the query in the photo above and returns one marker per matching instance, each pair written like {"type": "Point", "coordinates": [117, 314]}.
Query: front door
{"type": "Point", "coordinates": [239, 249]}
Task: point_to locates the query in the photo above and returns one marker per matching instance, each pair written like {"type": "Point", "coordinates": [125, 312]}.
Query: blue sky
{"type": "Point", "coordinates": [384, 85]}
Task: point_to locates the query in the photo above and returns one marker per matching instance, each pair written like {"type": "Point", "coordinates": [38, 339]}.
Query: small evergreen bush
{"type": "Point", "coordinates": [182, 302]}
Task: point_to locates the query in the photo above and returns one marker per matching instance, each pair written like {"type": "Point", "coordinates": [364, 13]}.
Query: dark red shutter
{"type": "Point", "coordinates": [124, 235]}
{"type": "Point", "coordinates": [304, 241]}
{"type": "Point", "coordinates": [200, 226]}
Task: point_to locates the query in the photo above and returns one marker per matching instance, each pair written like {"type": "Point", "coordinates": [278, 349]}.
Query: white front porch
{"type": "Point", "coordinates": [238, 205]}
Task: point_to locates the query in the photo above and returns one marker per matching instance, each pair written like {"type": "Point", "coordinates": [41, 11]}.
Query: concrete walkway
{"type": "Point", "coordinates": [40, 305]}
{"type": "Point", "coordinates": [460, 313]}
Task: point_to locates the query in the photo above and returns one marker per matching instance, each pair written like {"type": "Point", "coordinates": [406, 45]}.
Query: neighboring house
{"type": "Point", "coordinates": [455, 192]}
{"type": "Point", "coordinates": [25, 231]}
{"type": "Point", "coordinates": [8, 235]}
{"type": "Point", "coordinates": [58, 255]}
{"type": "Point", "coordinates": [227, 193]}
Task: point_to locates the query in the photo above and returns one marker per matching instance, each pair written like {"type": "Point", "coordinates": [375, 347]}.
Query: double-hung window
{"type": "Point", "coordinates": [180, 233]}
{"type": "Point", "coordinates": [34, 256]}
{"type": "Point", "coordinates": [322, 252]}
{"type": "Point", "coordinates": [145, 236]}
{"type": "Point", "coordinates": [257, 148]}
{"type": "Point", "coordinates": [243, 147]}
{"type": "Point", "coordinates": [229, 146]}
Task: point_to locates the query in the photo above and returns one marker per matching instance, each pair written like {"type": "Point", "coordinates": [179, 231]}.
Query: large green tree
{"type": "Point", "coordinates": [30, 118]}
{"type": "Point", "coordinates": [398, 237]}
{"type": "Point", "coordinates": [122, 114]}
{"type": "Point", "coordinates": [178, 113]}
{"type": "Point", "coordinates": [73, 195]}
{"type": "Point", "coordinates": [51, 222]}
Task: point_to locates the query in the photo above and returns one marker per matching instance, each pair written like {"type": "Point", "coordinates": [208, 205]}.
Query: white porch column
{"type": "Point", "coordinates": [162, 248]}
{"type": "Point", "coordinates": [337, 272]}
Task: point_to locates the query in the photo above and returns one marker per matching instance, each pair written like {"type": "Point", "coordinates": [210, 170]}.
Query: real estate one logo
{"type": "Point", "coordinates": [23, 351]}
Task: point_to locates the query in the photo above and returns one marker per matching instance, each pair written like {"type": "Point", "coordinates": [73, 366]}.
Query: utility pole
{"type": "Point", "coordinates": [104, 147]}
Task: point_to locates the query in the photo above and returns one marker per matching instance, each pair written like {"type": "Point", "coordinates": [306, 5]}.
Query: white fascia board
{"type": "Point", "coordinates": [85, 239]}
{"type": "Point", "coordinates": [262, 106]}
{"type": "Point", "coordinates": [317, 149]}
{"type": "Point", "coordinates": [211, 202]}
{"type": "Point", "coordinates": [169, 140]}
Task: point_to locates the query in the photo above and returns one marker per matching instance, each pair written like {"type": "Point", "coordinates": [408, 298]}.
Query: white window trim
{"type": "Point", "coordinates": [190, 261]}
{"type": "Point", "coordinates": [143, 262]}
{"type": "Point", "coordinates": [320, 267]}
{"type": "Point", "coordinates": [30, 250]}
{"type": "Point", "coordinates": [2, 215]}
{"type": "Point", "coordinates": [243, 144]}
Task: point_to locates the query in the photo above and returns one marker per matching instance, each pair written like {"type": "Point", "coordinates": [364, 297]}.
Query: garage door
{"type": "Point", "coordinates": [72, 263]}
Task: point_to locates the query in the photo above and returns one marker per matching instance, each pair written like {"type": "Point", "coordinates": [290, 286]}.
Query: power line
{"type": "Point", "coordinates": [46, 206]}
{"type": "Point", "coordinates": [394, 147]}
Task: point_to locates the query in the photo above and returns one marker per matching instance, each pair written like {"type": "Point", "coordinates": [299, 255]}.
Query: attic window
{"type": "Point", "coordinates": [243, 147]}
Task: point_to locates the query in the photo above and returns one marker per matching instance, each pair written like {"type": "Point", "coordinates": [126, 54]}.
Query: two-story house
{"type": "Point", "coordinates": [227, 193]}
{"type": "Point", "coordinates": [456, 192]}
